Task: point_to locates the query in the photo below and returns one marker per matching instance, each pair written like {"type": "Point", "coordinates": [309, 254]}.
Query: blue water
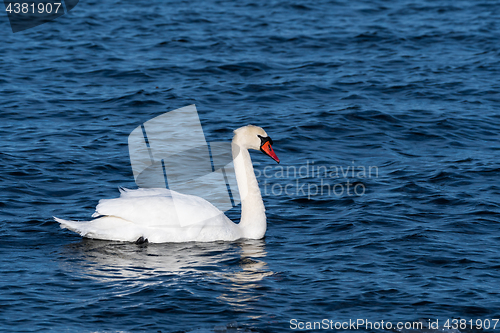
{"type": "Point", "coordinates": [408, 88]}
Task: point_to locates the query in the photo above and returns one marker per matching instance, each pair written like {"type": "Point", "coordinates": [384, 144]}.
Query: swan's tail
{"type": "Point", "coordinates": [106, 227]}
{"type": "Point", "coordinates": [78, 227]}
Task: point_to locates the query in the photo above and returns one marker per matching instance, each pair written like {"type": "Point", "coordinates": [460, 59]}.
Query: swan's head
{"type": "Point", "coordinates": [254, 137]}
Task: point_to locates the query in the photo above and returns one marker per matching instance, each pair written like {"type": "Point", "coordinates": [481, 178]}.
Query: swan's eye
{"type": "Point", "coordinates": [264, 140]}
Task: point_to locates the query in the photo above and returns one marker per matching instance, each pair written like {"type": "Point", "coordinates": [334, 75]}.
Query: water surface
{"type": "Point", "coordinates": [408, 87]}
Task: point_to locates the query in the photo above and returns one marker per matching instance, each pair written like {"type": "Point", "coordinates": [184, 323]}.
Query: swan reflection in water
{"type": "Point", "coordinates": [232, 270]}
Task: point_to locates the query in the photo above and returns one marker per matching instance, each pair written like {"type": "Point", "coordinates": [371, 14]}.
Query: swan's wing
{"type": "Point", "coordinates": [145, 192]}
{"type": "Point", "coordinates": [160, 208]}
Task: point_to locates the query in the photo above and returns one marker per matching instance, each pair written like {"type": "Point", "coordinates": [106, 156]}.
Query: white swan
{"type": "Point", "coordinates": [160, 215]}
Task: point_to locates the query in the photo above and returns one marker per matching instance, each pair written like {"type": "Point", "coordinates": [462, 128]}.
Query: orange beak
{"type": "Point", "coordinates": [267, 149]}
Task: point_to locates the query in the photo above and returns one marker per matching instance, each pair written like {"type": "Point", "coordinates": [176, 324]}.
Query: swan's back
{"type": "Point", "coordinates": [158, 207]}
{"type": "Point", "coordinates": [158, 215]}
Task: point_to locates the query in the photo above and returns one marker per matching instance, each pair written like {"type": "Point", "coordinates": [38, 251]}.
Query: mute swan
{"type": "Point", "coordinates": [160, 215]}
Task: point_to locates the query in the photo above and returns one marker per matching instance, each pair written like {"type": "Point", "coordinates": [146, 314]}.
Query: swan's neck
{"type": "Point", "coordinates": [253, 216]}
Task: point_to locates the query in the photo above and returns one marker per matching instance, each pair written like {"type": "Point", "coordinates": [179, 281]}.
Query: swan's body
{"type": "Point", "coordinates": [161, 215]}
